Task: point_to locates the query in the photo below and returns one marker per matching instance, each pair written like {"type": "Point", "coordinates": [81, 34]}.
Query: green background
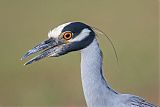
{"type": "Point", "coordinates": [131, 24]}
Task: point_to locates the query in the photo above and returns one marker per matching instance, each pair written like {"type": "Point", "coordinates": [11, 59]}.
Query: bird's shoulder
{"type": "Point", "coordinates": [135, 101]}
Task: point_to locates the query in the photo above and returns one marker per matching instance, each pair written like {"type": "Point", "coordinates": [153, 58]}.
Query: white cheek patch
{"type": "Point", "coordinates": [84, 33]}
{"type": "Point", "coordinates": [57, 31]}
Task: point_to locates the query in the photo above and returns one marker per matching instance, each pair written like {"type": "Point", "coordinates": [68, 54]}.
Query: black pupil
{"type": "Point", "coordinates": [68, 35]}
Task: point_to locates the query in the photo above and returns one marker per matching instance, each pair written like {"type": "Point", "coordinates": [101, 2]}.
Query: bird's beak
{"type": "Point", "coordinates": [48, 47]}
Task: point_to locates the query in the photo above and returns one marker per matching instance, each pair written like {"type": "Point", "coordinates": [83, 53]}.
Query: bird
{"type": "Point", "coordinates": [78, 36]}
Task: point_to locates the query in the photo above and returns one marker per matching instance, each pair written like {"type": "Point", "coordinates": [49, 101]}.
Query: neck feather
{"type": "Point", "coordinates": [96, 90]}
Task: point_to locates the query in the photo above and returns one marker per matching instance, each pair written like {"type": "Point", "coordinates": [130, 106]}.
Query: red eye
{"type": "Point", "coordinates": [67, 35]}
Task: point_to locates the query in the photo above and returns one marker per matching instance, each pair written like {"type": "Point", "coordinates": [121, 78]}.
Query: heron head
{"type": "Point", "coordinates": [68, 37]}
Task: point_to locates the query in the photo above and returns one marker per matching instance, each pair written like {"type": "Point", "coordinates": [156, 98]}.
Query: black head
{"type": "Point", "coordinates": [71, 36]}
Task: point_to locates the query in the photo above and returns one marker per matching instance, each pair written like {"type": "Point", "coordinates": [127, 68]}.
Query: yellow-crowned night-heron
{"type": "Point", "coordinates": [77, 36]}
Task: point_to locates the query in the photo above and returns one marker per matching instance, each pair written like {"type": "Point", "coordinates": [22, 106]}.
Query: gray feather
{"type": "Point", "coordinates": [136, 101]}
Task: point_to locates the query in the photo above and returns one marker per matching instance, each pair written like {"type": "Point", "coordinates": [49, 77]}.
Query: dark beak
{"type": "Point", "coordinates": [47, 46]}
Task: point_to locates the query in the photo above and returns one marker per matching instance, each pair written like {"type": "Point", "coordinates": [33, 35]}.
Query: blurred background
{"type": "Point", "coordinates": [55, 82]}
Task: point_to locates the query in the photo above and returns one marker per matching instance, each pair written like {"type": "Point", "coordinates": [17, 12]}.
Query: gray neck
{"type": "Point", "coordinates": [96, 90]}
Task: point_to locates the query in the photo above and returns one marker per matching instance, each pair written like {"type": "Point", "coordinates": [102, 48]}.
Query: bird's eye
{"type": "Point", "coordinates": [67, 35]}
